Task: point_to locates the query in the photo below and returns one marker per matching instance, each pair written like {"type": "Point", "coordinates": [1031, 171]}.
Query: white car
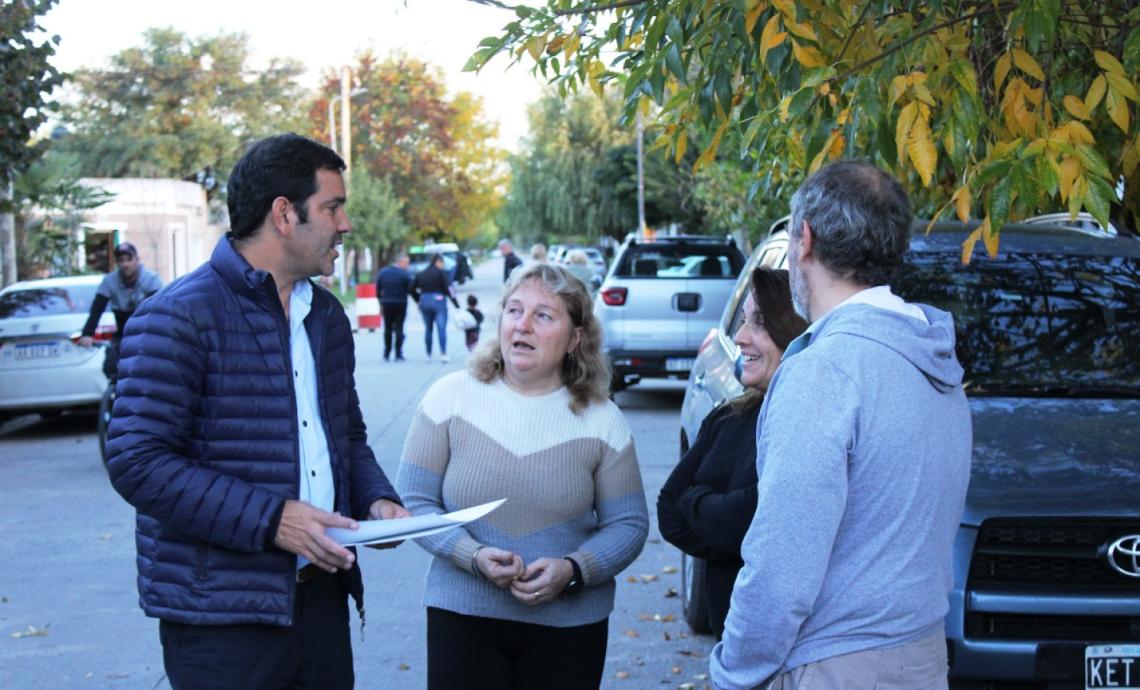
{"type": "Point", "coordinates": [42, 366]}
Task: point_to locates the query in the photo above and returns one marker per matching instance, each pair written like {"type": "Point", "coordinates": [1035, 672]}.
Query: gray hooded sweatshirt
{"type": "Point", "coordinates": [863, 457]}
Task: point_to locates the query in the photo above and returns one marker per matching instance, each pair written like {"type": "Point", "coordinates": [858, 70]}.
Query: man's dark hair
{"type": "Point", "coordinates": [860, 220]}
{"type": "Point", "coordinates": [283, 165]}
{"type": "Point", "coordinates": [472, 300]}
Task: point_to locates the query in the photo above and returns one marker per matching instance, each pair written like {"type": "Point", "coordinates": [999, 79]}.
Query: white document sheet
{"type": "Point", "coordinates": [384, 531]}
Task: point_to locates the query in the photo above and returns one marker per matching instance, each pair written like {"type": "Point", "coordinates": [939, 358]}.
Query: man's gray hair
{"type": "Point", "coordinates": [505, 243]}
{"type": "Point", "coordinates": [860, 220]}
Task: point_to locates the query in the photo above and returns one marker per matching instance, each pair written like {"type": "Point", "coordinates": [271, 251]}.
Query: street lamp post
{"type": "Point", "coordinates": [347, 93]}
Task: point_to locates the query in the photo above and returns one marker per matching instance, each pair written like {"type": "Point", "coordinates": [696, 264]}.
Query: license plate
{"type": "Point", "coordinates": [678, 364]}
{"type": "Point", "coordinates": [37, 350]}
{"type": "Point", "coordinates": [1112, 666]}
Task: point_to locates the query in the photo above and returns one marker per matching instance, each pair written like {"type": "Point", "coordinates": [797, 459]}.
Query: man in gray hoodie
{"type": "Point", "coordinates": [863, 456]}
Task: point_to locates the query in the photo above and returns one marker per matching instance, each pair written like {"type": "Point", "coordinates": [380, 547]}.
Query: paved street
{"type": "Point", "coordinates": [69, 616]}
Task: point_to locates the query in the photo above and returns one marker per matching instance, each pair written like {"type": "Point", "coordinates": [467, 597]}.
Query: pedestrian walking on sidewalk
{"type": "Point", "coordinates": [393, 287]}
{"type": "Point", "coordinates": [431, 288]}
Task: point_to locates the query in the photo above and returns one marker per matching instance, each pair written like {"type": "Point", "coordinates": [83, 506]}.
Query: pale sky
{"type": "Point", "coordinates": [321, 34]}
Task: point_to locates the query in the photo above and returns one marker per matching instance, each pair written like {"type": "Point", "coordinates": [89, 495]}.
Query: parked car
{"type": "Point", "coordinates": [1046, 590]}
{"type": "Point", "coordinates": [653, 314]}
{"type": "Point", "coordinates": [42, 367]}
{"type": "Point", "coordinates": [455, 262]}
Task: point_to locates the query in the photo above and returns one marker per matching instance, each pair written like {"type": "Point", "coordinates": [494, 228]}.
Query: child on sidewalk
{"type": "Point", "coordinates": [473, 333]}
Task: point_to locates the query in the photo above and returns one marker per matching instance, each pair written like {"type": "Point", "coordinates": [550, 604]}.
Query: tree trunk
{"type": "Point", "coordinates": [7, 238]}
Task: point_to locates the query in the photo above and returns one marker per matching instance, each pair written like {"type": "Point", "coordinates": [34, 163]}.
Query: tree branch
{"type": "Point", "coordinates": [851, 36]}
{"type": "Point", "coordinates": [600, 8]}
{"type": "Point", "coordinates": [926, 32]}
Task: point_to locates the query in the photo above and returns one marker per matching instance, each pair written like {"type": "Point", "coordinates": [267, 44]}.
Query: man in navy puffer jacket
{"type": "Point", "coordinates": [238, 437]}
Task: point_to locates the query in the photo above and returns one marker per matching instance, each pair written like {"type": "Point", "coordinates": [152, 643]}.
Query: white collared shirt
{"type": "Point", "coordinates": [316, 468]}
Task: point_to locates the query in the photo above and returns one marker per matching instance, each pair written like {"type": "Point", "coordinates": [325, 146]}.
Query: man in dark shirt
{"type": "Point", "coordinates": [511, 261]}
{"type": "Point", "coordinates": [124, 289]}
{"type": "Point", "coordinates": [392, 286]}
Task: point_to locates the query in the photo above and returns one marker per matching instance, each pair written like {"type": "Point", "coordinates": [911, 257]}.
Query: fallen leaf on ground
{"type": "Point", "coordinates": [644, 617]}
{"type": "Point", "coordinates": [676, 669]}
{"type": "Point", "coordinates": [105, 536]}
{"type": "Point", "coordinates": [686, 686]}
{"type": "Point", "coordinates": [32, 631]}
{"type": "Point", "coordinates": [403, 667]}
{"type": "Point", "coordinates": [701, 676]}
{"type": "Point", "coordinates": [667, 637]}
{"type": "Point", "coordinates": [654, 541]}
{"type": "Point", "coordinates": [670, 593]}
{"type": "Point", "coordinates": [631, 633]}
{"type": "Point", "coordinates": [648, 578]}
{"type": "Point", "coordinates": [621, 675]}
{"type": "Point", "coordinates": [686, 652]}
{"type": "Point", "coordinates": [669, 569]}
{"type": "Point", "coordinates": [631, 579]}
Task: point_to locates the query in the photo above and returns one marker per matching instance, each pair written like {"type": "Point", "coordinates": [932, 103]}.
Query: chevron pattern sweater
{"type": "Point", "coordinates": [572, 485]}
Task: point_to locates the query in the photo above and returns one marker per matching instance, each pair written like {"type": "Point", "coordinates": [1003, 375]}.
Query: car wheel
{"type": "Point", "coordinates": [105, 406]}
{"type": "Point", "coordinates": [692, 602]}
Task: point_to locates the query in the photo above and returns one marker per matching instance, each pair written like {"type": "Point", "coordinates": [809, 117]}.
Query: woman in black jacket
{"type": "Point", "coordinates": [707, 503]}
{"type": "Point", "coordinates": [431, 288]}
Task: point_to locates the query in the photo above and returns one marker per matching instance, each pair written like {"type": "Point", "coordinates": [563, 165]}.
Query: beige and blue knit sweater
{"type": "Point", "coordinates": [572, 485]}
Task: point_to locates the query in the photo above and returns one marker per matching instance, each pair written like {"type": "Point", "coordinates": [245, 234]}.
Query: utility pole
{"type": "Point", "coordinates": [640, 175]}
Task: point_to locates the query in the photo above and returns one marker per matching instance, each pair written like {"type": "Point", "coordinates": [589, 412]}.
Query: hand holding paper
{"type": "Point", "coordinates": [386, 531]}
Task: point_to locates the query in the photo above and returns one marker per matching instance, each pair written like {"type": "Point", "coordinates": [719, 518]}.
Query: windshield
{"type": "Point", "coordinates": [47, 301]}
{"type": "Point", "coordinates": [1035, 322]}
{"type": "Point", "coordinates": [681, 261]}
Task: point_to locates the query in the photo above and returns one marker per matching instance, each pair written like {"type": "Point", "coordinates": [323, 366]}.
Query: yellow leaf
{"type": "Point", "coordinates": [571, 46]}
{"type": "Point", "coordinates": [771, 36]}
{"type": "Point", "coordinates": [752, 17]}
{"type": "Point", "coordinates": [843, 116]}
{"type": "Point", "coordinates": [990, 238]}
{"type": "Point", "coordinates": [535, 46]}
{"type": "Point", "coordinates": [1121, 85]}
{"type": "Point", "coordinates": [1077, 195]}
{"type": "Point", "coordinates": [1067, 171]}
{"type": "Point", "coordinates": [923, 94]}
{"type": "Point", "coordinates": [710, 153]}
{"type": "Point", "coordinates": [823, 154]}
{"type": "Point", "coordinates": [916, 77]}
{"type": "Point", "coordinates": [948, 142]}
{"type": "Point", "coordinates": [808, 56]}
{"type": "Point", "coordinates": [1096, 92]}
{"type": "Point", "coordinates": [897, 88]}
{"type": "Point", "coordinates": [787, 8]}
{"type": "Point", "coordinates": [1027, 64]}
{"type": "Point", "coordinates": [1108, 63]}
{"type": "Point", "coordinates": [962, 203]}
{"type": "Point", "coordinates": [1075, 107]}
{"type": "Point", "coordinates": [902, 129]}
{"type": "Point", "coordinates": [838, 143]}
{"type": "Point", "coordinates": [1117, 109]}
{"type": "Point", "coordinates": [682, 146]}
{"type": "Point", "coordinates": [920, 148]}
{"type": "Point", "coordinates": [968, 245]}
{"type": "Point", "coordinates": [1078, 133]}
{"type": "Point", "coordinates": [802, 30]}
{"type": "Point", "coordinates": [1001, 70]}
{"type": "Point", "coordinates": [1131, 158]}
{"type": "Point", "coordinates": [785, 102]}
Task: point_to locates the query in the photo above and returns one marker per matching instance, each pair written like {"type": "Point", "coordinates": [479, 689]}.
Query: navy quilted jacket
{"type": "Point", "coordinates": [204, 445]}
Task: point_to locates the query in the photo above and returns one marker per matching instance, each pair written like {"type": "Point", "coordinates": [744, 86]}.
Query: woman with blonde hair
{"type": "Point", "coordinates": [521, 598]}
{"type": "Point", "coordinates": [538, 253]}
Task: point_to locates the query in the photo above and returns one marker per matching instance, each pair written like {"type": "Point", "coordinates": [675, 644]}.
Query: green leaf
{"type": "Point", "coordinates": [673, 61]}
{"type": "Point", "coordinates": [800, 102]}
{"type": "Point", "coordinates": [1092, 161]}
{"type": "Point", "coordinates": [1000, 199]}
{"type": "Point", "coordinates": [674, 31]}
{"type": "Point", "coordinates": [1099, 200]}
{"type": "Point", "coordinates": [817, 75]}
{"type": "Point", "coordinates": [1047, 176]}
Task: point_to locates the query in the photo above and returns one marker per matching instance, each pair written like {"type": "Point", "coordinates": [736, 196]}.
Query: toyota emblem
{"type": "Point", "coordinates": [1124, 555]}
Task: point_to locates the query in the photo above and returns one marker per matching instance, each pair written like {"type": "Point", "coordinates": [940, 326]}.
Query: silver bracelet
{"type": "Point", "coordinates": [474, 564]}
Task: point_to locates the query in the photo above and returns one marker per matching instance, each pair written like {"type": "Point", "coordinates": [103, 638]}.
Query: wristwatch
{"type": "Point", "coordinates": [576, 584]}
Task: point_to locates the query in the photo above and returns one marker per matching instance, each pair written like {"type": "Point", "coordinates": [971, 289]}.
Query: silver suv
{"type": "Point", "coordinates": [658, 301]}
{"type": "Point", "coordinates": [1046, 591]}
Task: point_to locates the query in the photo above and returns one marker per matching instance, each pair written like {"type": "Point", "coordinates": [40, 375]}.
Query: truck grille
{"type": "Point", "coordinates": [1063, 555]}
{"type": "Point", "coordinates": [1085, 629]}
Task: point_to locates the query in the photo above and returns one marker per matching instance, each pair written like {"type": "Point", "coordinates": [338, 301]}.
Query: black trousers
{"type": "Point", "coordinates": [473, 653]}
{"type": "Point", "coordinates": [394, 315]}
{"type": "Point", "coordinates": [315, 652]}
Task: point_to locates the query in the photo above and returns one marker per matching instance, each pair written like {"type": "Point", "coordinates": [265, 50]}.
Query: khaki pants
{"type": "Point", "coordinates": [918, 665]}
